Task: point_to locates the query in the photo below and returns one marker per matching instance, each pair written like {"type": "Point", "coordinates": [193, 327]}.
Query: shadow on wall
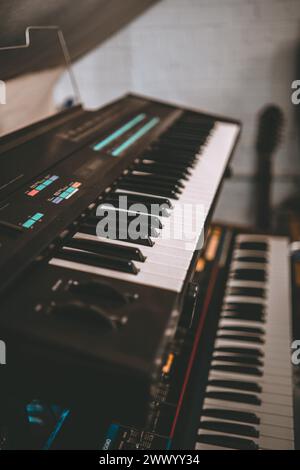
{"type": "Point", "coordinates": [297, 108]}
{"type": "Point", "coordinates": [237, 202]}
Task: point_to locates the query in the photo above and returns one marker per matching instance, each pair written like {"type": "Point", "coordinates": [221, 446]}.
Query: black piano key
{"type": "Point", "coordinates": [194, 141]}
{"type": "Point", "coordinates": [91, 230]}
{"type": "Point", "coordinates": [244, 329]}
{"type": "Point", "coordinates": [258, 275]}
{"type": "Point", "coordinates": [160, 155]}
{"type": "Point", "coordinates": [184, 147]}
{"type": "Point", "coordinates": [247, 360]}
{"type": "Point", "coordinates": [178, 135]}
{"type": "Point", "coordinates": [135, 181]}
{"type": "Point", "coordinates": [249, 339]}
{"type": "Point", "coordinates": [168, 156]}
{"type": "Point", "coordinates": [247, 398]}
{"type": "Point", "coordinates": [159, 169]}
{"type": "Point", "coordinates": [230, 428]}
{"type": "Point", "coordinates": [238, 350]}
{"type": "Point", "coordinates": [248, 313]}
{"type": "Point", "coordinates": [155, 190]}
{"type": "Point", "coordinates": [163, 208]}
{"type": "Point", "coordinates": [252, 259]}
{"type": "Point", "coordinates": [236, 384]}
{"type": "Point", "coordinates": [146, 220]}
{"type": "Point", "coordinates": [257, 246]}
{"type": "Point", "coordinates": [251, 311]}
{"type": "Point", "coordinates": [248, 291]}
{"type": "Point", "coordinates": [198, 132]}
{"type": "Point", "coordinates": [155, 178]}
{"type": "Point", "coordinates": [157, 160]}
{"type": "Point", "coordinates": [244, 370]}
{"type": "Point", "coordinates": [147, 210]}
{"type": "Point", "coordinates": [232, 415]}
{"type": "Point", "coordinates": [144, 227]}
{"type": "Point", "coordinates": [91, 259]}
{"type": "Point", "coordinates": [142, 199]}
{"type": "Point", "coordinates": [255, 317]}
{"type": "Point", "coordinates": [198, 126]}
{"type": "Point", "coordinates": [243, 307]}
{"type": "Point", "coordinates": [102, 248]}
{"type": "Point", "coordinates": [231, 442]}
{"type": "Point", "coordinates": [195, 128]}
{"type": "Point", "coordinates": [170, 144]}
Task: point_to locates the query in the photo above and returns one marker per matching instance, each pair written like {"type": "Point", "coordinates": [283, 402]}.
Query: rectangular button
{"type": "Point", "coordinates": [33, 193]}
{"type": "Point", "coordinates": [37, 216]}
{"type": "Point", "coordinates": [29, 223]}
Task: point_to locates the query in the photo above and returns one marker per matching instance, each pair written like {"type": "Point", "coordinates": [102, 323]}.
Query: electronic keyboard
{"type": "Point", "coordinates": [248, 400]}
{"type": "Point", "coordinates": [225, 382]}
{"type": "Point", "coordinates": [88, 314]}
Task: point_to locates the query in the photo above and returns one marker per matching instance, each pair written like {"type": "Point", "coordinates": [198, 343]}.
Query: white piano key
{"type": "Point", "coordinates": [283, 410]}
{"type": "Point", "coordinates": [202, 432]}
{"type": "Point", "coordinates": [246, 265]}
{"type": "Point", "coordinates": [146, 250]}
{"type": "Point", "coordinates": [285, 390]}
{"type": "Point", "coordinates": [243, 323]}
{"type": "Point", "coordinates": [200, 446]}
{"type": "Point", "coordinates": [270, 379]}
{"type": "Point", "coordinates": [265, 418]}
{"type": "Point", "coordinates": [268, 347]}
{"type": "Point", "coordinates": [149, 267]}
{"type": "Point", "coordinates": [264, 397]}
{"type": "Point", "coordinates": [242, 283]}
{"type": "Point", "coordinates": [140, 278]}
{"type": "Point", "coordinates": [252, 253]}
{"type": "Point", "coordinates": [268, 385]}
{"type": "Point", "coordinates": [242, 237]}
{"type": "Point", "coordinates": [282, 438]}
{"type": "Point", "coordinates": [243, 299]}
{"type": "Point", "coordinates": [272, 443]}
{"type": "Point", "coordinates": [267, 430]}
{"type": "Point", "coordinates": [277, 420]}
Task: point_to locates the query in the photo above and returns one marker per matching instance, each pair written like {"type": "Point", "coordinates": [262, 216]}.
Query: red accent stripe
{"type": "Point", "coordinates": [195, 346]}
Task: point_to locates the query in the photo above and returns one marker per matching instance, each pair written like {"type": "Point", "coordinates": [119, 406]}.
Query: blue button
{"type": "Point", "coordinates": [37, 216]}
{"type": "Point", "coordinates": [29, 223]}
{"type": "Point", "coordinates": [57, 200]}
{"type": "Point", "coordinates": [40, 187]}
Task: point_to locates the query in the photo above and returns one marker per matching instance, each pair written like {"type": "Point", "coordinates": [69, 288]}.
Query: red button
{"type": "Point", "coordinates": [33, 192]}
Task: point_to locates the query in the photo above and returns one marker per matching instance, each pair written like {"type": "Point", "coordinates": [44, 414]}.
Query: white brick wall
{"type": "Point", "coordinates": [227, 56]}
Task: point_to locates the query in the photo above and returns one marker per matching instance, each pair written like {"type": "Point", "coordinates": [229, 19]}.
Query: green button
{"type": "Point", "coordinates": [29, 223]}
{"type": "Point", "coordinates": [37, 216]}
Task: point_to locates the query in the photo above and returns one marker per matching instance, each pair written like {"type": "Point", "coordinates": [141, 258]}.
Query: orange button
{"type": "Point", "coordinates": [33, 192]}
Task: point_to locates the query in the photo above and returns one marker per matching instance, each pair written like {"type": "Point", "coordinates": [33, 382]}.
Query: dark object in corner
{"type": "Point", "coordinates": [268, 139]}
